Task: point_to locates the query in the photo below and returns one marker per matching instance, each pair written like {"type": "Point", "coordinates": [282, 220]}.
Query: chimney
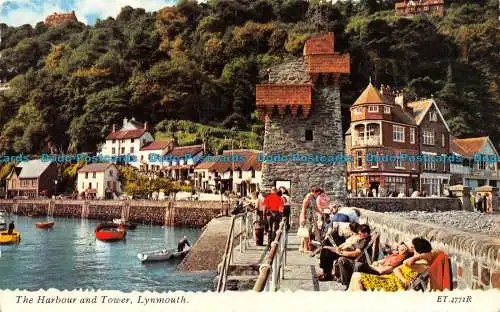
{"type": "Point", "coordinates": [382, 89]}
{"type": "Point", "coordinates": [400, 100]}
{"type": "Point", "coordinates": [204, 147]}
{"type": "Point", "coordinates": [114, 128]}
{"type": "Point", "coordinates": [145, 125]}
{"type": "Point", "coordinates": [125, 121]}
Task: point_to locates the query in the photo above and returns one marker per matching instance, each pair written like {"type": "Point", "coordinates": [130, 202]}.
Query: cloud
{"type": "Point", "coordinates": [19, 12]}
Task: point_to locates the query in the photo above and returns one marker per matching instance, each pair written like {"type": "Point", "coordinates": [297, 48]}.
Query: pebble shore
{"type": "Point", "coordinates": [467, 221]}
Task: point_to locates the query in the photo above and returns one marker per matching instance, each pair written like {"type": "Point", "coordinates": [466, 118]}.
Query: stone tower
{"type": "Point", "coordinates": [301, 109]}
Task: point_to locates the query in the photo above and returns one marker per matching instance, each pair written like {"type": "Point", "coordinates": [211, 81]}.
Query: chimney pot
{"type": "Point", "coordinates": [125, 120]}
{"type": "Point", "coordinates": [114, 128]}
{"type": "Point", "coordinates": [145, 125]}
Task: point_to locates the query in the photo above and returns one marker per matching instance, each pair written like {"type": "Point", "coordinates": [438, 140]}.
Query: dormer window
{"type": "Point", "coordinates": [387, 110]}
{"type": "Point", "coordinates": [373, 109]}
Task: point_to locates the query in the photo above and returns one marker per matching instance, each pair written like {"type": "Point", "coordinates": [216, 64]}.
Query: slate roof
{"type": "Point", "coordinates": [33, 168]}
{"type": "Point", "coordinates": [126, 134]}
{"type": "Point", "coordinates": [100, 167]}
{"type": "Point", "coordinates": [156, 145]}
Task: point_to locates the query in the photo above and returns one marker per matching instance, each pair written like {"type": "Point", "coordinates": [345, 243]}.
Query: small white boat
{"type": "Point", "coordinates": [162, 255]}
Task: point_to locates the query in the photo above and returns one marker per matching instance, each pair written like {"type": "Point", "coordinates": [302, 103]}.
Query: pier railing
{"type": "Point", "coordinates": [274, 263]}
{"type": "Point", "coordinates": [245, 231]}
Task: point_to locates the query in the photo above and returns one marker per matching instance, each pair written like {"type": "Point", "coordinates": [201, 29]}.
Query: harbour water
{"type": "Point", "coordinates": [69, 257]}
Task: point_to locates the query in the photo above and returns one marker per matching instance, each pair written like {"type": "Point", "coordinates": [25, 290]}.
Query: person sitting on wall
{"type": "Point", "coordinates": [344, 214]}
{"type": "Point", "coordinates": [347, 262]}
{"type": "Point", "coordinates": [182, 244]}
{"type": "Point", "coordinates": [347, 251]}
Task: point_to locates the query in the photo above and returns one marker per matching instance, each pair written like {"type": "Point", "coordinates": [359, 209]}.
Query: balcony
{"type": "Point", "coordinates": [371, 141]}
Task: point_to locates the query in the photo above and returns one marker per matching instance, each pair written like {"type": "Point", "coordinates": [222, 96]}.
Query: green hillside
{"type": "Point", "coordinates": [200, 63]}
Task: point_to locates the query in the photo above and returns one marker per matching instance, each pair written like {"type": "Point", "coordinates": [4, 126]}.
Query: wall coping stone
{"type": "Point", "coordinates": [483, 246]}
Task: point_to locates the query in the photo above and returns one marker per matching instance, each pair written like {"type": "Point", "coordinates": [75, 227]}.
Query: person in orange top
{"type": "Point", "coordinates": [273, 205]}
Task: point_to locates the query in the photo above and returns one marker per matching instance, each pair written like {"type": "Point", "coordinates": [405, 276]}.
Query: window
{"type": "Point", "coordinates": [113, 151]}
{"type": "Point", "coordinates": [373, 109]}
{"type": "Point", "coordinates": [113, 141]}
{"type": "Point", "coordinates": [142, 157]}
{"type": "Point", "coordinates": [387, 110]}
{"type": "Point", "coordinates": [398, 134]}
{"type": "Point", "coordinates": [399, 161]}
{"type": "Point", "coordinates": [131, 140]}
{"type": "Point", "coordinates": [93, 175]}
{"type": "Point", "coordinates": [359, 110]}
{"type": "Point", "coordinates": [33, 182]}
{"type": "Point", "coordinates": [481, 165]}
{"type": "Point", "coordinates": [443, 140]}
{"type": "Point", "coordinates": [131, 150]}
{"type": "Point", "coordinates": [309, 135]}
{"type": "Point", "coordinates": [412, 135]}
{"type": "Point", "coordinates": [86, 175]}
{"type": "Point", "coordinates": [359, 159]}
{"type": "Point", "coordinates": [110, 173]}
{"type": "Point", "coordinates": [108, 184]}
{"type": "Point", "coordinates": [253, 173]}
{"type": "Point", "coordinates": [428, 137]}
{"type": "Point", "coordinates": [429, 162]}
{"type": "Point", "coordinates": [123, 150]}
{"type": "Point", "coordinates": [240, 174]}
{"type": "Point", "coordinates": [432, 116]}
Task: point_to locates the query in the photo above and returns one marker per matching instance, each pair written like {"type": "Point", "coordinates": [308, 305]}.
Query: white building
{"type": "Point", "coordinates": [128, 140]}
{"type": "Point", "coordinates": [475, 170]}
{"type": "Point", "coordinates": [99, 181]}
{"type": "Point", "coordinates": [237, 170]}
{"type": "Point", "coordinates": [160, 148]}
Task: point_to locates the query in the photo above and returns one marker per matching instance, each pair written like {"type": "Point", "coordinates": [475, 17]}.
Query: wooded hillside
{"type": "Point", "coordinates": [200, 63]}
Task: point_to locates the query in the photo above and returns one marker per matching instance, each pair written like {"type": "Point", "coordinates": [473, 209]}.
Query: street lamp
{"type": "Point", "coordinates": [55, 187]}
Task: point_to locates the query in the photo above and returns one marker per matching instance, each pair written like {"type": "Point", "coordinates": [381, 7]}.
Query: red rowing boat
{"type": "Point", "coordinates": [110, 232]}
{"type": "Point", "coordinates": [45, 225]}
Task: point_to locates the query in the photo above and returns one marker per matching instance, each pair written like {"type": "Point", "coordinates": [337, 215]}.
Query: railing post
{"type": "Point", "coordinates": [241, 234]}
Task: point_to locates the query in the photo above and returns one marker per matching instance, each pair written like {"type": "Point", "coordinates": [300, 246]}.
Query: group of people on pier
{"type": "Point", "coordinates": [347, 246]}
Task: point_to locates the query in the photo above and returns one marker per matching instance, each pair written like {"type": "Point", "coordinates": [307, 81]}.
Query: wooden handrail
{"type": "Point", "coordinates": [265, 268]}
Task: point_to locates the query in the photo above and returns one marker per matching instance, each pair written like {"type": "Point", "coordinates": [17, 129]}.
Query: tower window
{"type": "Point", "coordinates": [309, 135]}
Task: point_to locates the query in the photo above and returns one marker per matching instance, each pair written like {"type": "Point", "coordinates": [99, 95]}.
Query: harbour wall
{"type": "Point", "coordinates": [170, 213]}
{"type": "Point", "coordinates": [394, 204]}
{"type": "Point", "coordinates": [475, 258]}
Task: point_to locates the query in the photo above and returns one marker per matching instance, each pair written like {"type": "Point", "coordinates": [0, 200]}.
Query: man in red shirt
{"type": "Point", "coordinates": [273, 205]}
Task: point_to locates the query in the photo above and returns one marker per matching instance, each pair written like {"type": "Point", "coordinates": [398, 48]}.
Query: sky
{"type": "Point", "coordinates": [19, 12]}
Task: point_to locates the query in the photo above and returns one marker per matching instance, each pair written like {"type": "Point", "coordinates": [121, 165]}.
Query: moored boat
{"type": "Point", "coordinates": [126, 224]}
{"type": "Point", "coordinates": [45, 225]}
{"type": "Point", "coordinates": [7, 239]}
{"type": "Point", "coordinates": [162, 255]}
{"type": "Point", "coordinates": [110, 232]}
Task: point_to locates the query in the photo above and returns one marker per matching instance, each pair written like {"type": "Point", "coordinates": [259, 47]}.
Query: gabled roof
{"type": "Point", "coordinates": [32, 168]}
{"type": "Point", "coordinates": [372, 96]}
{"type": "Point", "coordinates": [420, 109]}
{"type": "Point", "coordinates": [181, 151]}
{"type": "Point", "coordinates": [125, 134]}
{"type": "Point", "coordinates": [470, 146]}
{"type": "Point", "coordinates": [156, 145]}
{"type": "Point", "coordinates": [221, 163]}
{"type": "Point", "coordinates": [100, 167]}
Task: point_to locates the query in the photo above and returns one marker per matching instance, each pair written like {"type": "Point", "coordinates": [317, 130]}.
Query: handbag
{"type": "Point", "coordinates": [303, 232]}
